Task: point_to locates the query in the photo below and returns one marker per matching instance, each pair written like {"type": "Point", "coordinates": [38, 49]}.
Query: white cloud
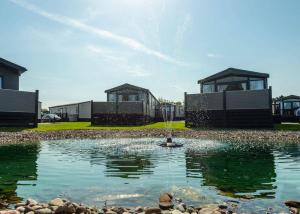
{"type": "Point", "coordinates": [212, 55]}
{"type": "Point", "coordinates": [129, 42]}
{"type": "Point", "coordinates": [119, 61]}
{"type": "Point", "coordinates": [107, 54]}
{"type": "Point", "coordinates": [137, 71]}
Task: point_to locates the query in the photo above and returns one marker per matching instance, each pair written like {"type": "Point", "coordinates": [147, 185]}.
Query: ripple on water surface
{"type": "Point", "coordinates": [134, 171]}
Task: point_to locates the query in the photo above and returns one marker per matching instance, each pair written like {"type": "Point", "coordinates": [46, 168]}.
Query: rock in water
{"type": "Point", "coordinates": [152, 210]}
{"type": "Point", "coordinates": [165, 201]}
{"type": "Point", "coordinates": [295, 204]}
{"type": "Point", "coordinates": [56, 202]}
{"type": "Point", "coordinates": [31, 202]}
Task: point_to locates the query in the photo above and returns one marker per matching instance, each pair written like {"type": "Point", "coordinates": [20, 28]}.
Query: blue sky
{"type": "Point", "coordinates": [74, 50]}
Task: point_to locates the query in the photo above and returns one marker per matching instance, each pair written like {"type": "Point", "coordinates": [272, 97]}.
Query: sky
{"type": "Point", "coordinates": [76, 49]}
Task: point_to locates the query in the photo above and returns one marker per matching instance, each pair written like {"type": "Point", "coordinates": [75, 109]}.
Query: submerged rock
{"type": "Point", "coordinates": [295, 204]}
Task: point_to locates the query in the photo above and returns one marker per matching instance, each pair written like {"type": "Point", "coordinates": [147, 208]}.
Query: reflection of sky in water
{"type": "Point", "coordinates": [134, 171]}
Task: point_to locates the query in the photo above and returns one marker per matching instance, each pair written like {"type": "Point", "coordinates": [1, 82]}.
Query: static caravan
{"type": "Point", "coordinates": [17, 108]}
{"type": "Point", "coordinates": [126, 104]}
{"type": "Point", "coordinates": [73, 112]}
{"type": "Point", "coordinates": [286, 109]}
{"type": "Point", "coordinates": [231, 98]}
{"type": "Point", "coordinates": [173, 110]}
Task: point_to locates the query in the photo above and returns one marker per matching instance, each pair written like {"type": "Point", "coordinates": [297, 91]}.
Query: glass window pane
{"type": "Point", "coordinates": [111, 97]}
{"type": "Point", "coordinates": [1, 82]}
{"type": "Point", "coordinates": [222, 88]}
{"type": "Point", "coordinates": [296, 105]}
{"type": "Point", "coordinates": [287, 105]}
{"type": "Point", "coordinates": [244, 86]}
{"type": "Point", "coordinates": [133, 97]}
{"type": "Point", "coordinates": [208, 88]}
{"type": "Point", "coordinates": [257, 85]}
{"type": "Point", "coordinates": [120, 98]}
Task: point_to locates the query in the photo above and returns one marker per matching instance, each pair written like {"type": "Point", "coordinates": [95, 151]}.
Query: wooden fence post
{"type": "Point", "coordinates": [225, 122]}
{"type": "Point", "coordinates": [185, 109]}
{"type": "Point", "coordinates": [92, 112]}
{"type": "Point", "coordinates": [36, 108]}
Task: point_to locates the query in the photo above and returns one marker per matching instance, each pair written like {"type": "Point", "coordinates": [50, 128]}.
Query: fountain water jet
{"type": "Point", "coordinates": [168, 114]}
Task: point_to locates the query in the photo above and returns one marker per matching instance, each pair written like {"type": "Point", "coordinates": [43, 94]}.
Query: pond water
{"type": "Point", "coordinates": [131, 172]}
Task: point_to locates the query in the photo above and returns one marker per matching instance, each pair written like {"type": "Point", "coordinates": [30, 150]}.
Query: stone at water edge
{"type": "Point", "coordinates": [139, 209]}
{"type": "Point", "coordinates": [165, 201]}
{"type": "Point", "coordinates": [208, 211]}
{"type": "Point", "coordinates": [152, 210]}
{"type": "Point", "coordinates": [9, 212]}
{"type": "Point", "coordinates": [43, 211]}
{"type": "Point", "coordinates": [56, 202]}
{"type": "Point", "coordinates": [181, 207]}
{"type": "Point", "coordinates": [31, 202]}
{"type": "Point", "coordinates": [295, 204]}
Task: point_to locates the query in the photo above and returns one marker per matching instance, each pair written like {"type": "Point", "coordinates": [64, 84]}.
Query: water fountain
{"type": "Point", "coordinates": [168, 116]}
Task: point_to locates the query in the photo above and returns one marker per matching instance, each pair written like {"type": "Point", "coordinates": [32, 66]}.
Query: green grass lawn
{"type": "Point", "coordinates": [87, 125]}
{"type": "Point", "coordinates": [159, 125]}
{"type": "Point", "coordinates": [288, 127]}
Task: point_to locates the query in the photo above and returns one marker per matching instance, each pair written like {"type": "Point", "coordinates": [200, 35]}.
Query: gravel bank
{"type": "Point", "coordinates": [63, 206]}
{"type": "Point", "coordinates": [233, 135]}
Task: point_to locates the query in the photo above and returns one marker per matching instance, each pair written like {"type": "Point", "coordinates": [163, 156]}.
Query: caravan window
{"type": "Point", "coordinates": [112, 97]}
{"type": "Point", "coordinates": [133, 97]}
{"type": "Point", "coordinates": [257, 84]}
{"type": "Point", "coordinates": [1, 80]}
{"type": "Point", "coordinates": [208, 88]}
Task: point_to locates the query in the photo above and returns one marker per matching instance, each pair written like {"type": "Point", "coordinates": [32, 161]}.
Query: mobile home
{"type": "Point", "coordinates": [73, 112]}
{"type": "Point", "coordinates": [126, 104]}
{"type": "Point", "coordinates": [17, 108]}
{"type": "Point", "coordinates": [287, 108]}
{"type": "Point", "coordinates": [231, 98]}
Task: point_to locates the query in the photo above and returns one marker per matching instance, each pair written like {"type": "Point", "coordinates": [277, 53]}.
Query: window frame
{"type": "Point", "coordinates": [1, 82]}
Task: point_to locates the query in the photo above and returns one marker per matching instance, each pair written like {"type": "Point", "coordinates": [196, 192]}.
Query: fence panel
{"type": "Point", "coordinates": [104, 107]}
{"type": "Point", "coordinates": [17, 101]}
{"type": "Point", "coordinates": [130, 108]}
{"type": "Point", "coordinates": [259, 99]}
{"type": "Point", "coordinates": [200, 102]}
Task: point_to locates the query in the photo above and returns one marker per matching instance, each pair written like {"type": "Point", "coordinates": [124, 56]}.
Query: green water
{"type": "Point", "coordinates": [132, 172]}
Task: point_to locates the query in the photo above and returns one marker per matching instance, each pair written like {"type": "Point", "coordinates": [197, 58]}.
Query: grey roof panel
{"type": "Point", "coordinates": [233, 71]}
{"type": "Point", "coordinates": [124, 86]}
{"type": "Point", "coordinates": [12, 65]}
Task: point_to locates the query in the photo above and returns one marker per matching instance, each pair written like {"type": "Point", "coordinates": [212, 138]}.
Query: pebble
{"type": "Point", "coordinates": [234, 135]}
{"type": "Point", "coordinates": [31, 202]}
{"type": "Point", "coordinates": [139, 209]}
{"type": "Point", "coordinates": [152, 210]}
{"type": "Point", "coordinates": [43, 211]}
{"type": "Point", "coordinates": [56, 202]}
{"type": "Point", "coordinates": [165, 201]}
{"type": "Point", "coordinates": [295, 204]}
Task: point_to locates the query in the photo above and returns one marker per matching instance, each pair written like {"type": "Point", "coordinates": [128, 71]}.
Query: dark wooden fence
{"type": "Point", "coordinates": [18, 108]}
{"type": "Point", "coordinates": [119, 113]}
{"type": "Point", "coordinates": [231, 109]}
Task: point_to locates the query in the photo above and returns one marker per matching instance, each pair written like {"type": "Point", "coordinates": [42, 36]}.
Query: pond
{"type": "Point", "coordinates": [131, 172]}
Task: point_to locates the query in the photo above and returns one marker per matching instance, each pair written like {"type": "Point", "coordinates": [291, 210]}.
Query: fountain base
{"type": "Point", "coordinates": [169, 143]}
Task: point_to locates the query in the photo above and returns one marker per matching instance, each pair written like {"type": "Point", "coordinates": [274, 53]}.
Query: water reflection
{"type": "Point", "coordinates": [128, 166]}
{"type": "Point", "coordinates": [17, 167]}
{"type": "Point", "coordinates": [134, 171]}
{"type": "Point", "coordinates": [235, 173]}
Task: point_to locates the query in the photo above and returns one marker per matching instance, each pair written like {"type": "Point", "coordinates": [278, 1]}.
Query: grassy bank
{"type": "Point", "coordinates": [177, 125]}
{"type": "Point", "coordinates": [87, 125]}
